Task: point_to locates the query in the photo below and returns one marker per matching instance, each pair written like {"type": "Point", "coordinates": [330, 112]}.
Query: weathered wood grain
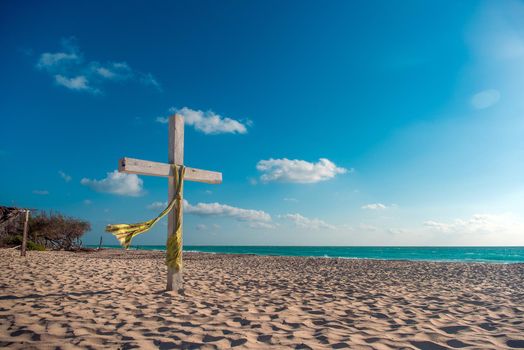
{"type": "Point", "coordinates": [24, 237]}
{"type": "Point", "coordinates": [146, 167]}
{"type": "Point", "coordinates": [175, 156]}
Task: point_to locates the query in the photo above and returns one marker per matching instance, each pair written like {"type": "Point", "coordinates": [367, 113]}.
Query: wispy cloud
{"type": "Point", "coordinates": [41, 192]}
{"type": "Point", "coordinates": [64, 176]}
{"type": "Point", "coordinates": [478, 223]}
{"type": "Point", "coordinates": [78, 83]}
{"type": "Point", "coordinates": [374, 206]}
{"type": "Point", "coordinates": [258, 225]}
{"type": "Point", "coordinates": [201, 227]}
{"type": "Point", "coordinates": [51, 61]}
{"type": "Point", "coordinates": [149, 79]}
{"type": "Point", "coordinates": [87, 202]}
{"type": "Point", "coordinates": [69, 69]}
{"type": "Point", "coordinates": [397, 231]}
{"type": "Point", "coordinates": [218, 209]}
{"type": "Point", "coordinates": [208, 122]}
{"type": "Point", "coordinates": [367, 227]}
{"type": "Point", "coordinates": [157, 205]}
{"type": "Point", "coordinates": [162, 120]}
{"type": "Point", "coordinates": [289, 199]}
{"type": "Point", "coordinates": [117, 183]}
{"type": "Point", "coordinates": [298, 171]}
{"type": "Point", "coordinates": [254, 217]}
{"type": "Point", "coordinates": [307, 223]}
{"type": "Point", "coordinates": [485, 99]}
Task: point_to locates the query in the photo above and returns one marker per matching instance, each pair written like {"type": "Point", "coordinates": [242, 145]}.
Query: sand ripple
{"type": "Point", "coordinates": [114, 299]}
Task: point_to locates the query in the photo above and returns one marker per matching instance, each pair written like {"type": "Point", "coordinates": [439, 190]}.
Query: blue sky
{"type": "Point", "coordinates": [339, 123]}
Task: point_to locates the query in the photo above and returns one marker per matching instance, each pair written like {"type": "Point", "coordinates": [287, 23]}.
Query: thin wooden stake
{"type": "Point", "coordinates": [24, 238]}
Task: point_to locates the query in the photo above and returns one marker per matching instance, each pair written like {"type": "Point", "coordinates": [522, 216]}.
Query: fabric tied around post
{"type": "Point", "coordinates": [125, 232]}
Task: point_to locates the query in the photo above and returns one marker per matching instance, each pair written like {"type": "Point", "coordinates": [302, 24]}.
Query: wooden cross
{"type": "Point", "coordinates": [175, 156]}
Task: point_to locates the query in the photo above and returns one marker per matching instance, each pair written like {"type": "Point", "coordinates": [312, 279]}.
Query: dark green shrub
{"type": "Point", "coordinates": [17, 240]}
{"type": "Point", "coordinates": [35, 246]}
{"type": "Point", "coordinates": [13, 240]}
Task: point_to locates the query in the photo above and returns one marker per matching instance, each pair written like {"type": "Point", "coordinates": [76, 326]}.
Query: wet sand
{"type": "Point", "coordinates": [114, 299]}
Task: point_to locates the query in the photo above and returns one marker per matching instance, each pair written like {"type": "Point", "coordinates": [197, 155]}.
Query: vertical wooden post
{"type": "Point", "coordinates": [100, 243]}
{"type": "Point", "coordinates": [175, 156]}
{"type": "Point", "coordinates": [24, 238]}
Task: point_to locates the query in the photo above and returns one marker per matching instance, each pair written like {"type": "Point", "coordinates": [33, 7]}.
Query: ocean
{"type": "Point", "coordinates": [459, 254]}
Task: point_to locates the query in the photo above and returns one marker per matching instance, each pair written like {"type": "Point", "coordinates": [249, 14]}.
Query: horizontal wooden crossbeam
{"type": "Point", "coordinates": [145, 167]}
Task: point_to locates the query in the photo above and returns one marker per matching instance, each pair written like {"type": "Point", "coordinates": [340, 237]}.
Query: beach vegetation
{"type": "Point", "coordinates": [17, 241]}
{"type": "Point", "coordinates": [56, 231]}
{"type": "Point", "coordinates": [45, 230]}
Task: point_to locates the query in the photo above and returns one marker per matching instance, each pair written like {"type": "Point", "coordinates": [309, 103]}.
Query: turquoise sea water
{"type": "Point", "coordinates": [463, 254]}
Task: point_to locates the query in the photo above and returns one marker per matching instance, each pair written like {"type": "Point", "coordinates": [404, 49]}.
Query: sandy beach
{"type": "Point", "coordinates": [115, 299]}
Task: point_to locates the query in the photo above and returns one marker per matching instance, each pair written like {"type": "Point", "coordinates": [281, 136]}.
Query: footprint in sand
{"type": "Point", "coordinates": [515, 344]}
{"type": "Point", "coordinates": [238, 342]}
{"type": "Point", "coordinates": [427, 345]}
{"type": "Point", "coordinates": [454, 343]}
{"type": "Point", "coordinates": [264, 338]}
{"type": "Point", "coordinates": [453, 329]}
{"type": "Point", "coordinates": [210, 338]}
{"type": "Point", "coordinates": [379, 315]}
{"type": "Point", "coordinates": [371, 340]}
{"type": "Point", "coordinates": [488, 326]}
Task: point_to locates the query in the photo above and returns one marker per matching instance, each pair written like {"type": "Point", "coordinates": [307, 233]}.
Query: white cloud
{"type": "Point", "coordinates": [256, 218]}
{"type": "Point", "coordinates": [201, 227]}
{"type": "Point", "coordinates": [304, 222]}
{"type": "Point", "coordinates": [149, 79]}
{"type": "Point", "coordinates": [209, 122]}
{"type": "Point", "coordinates": [397, 231]}
{"type": "Point", "coordinates": [257, 225]}
{"type": "Point", "coordinates": [88, 202]}
{"type": "Point", "coordinates": [288, 199]}
{"type": "Point", "coordinates": [106, 73]}
{"type": "Point", "coordinates": [485, 99]}
{"type": "Point", "coordinates": [157, 206]}
{"type": "Point", "coordinates": [41, 192]}
{"type": "Point", "coordinates": [112, 70]}
{"type": "Point", "coordinates": [478, 223]}
{"type": "Point", "coordinates": [367, 227]}
{"type": "Point", "coordinates": [76, 83]}
{"type": "Point", "coordinates": [117, 183]}
{"type": "Point", "coordinates": [50, 61]}
{"type": "Point", "coordinates": [162, 120]}
{"type": "Point", "coordinates": [69, 70]}
{"type": "Point", "coordinates": [64, 176]}
{"type": "Point", "coordinates": [218, 209]}
{"type": "Point", "coordinates": [374, 206]}
{"type": "Point", "coordinates": [299, 171]}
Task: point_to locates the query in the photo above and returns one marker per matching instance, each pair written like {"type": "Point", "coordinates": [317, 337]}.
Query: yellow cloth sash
{"type": "Point", "coordinates": [125, 232]}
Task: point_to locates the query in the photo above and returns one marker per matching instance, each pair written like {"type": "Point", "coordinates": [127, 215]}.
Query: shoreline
{"type": "Point", "coordinates": [352, 258]}
{"type": "Point", "coordinates": [442, 260]}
